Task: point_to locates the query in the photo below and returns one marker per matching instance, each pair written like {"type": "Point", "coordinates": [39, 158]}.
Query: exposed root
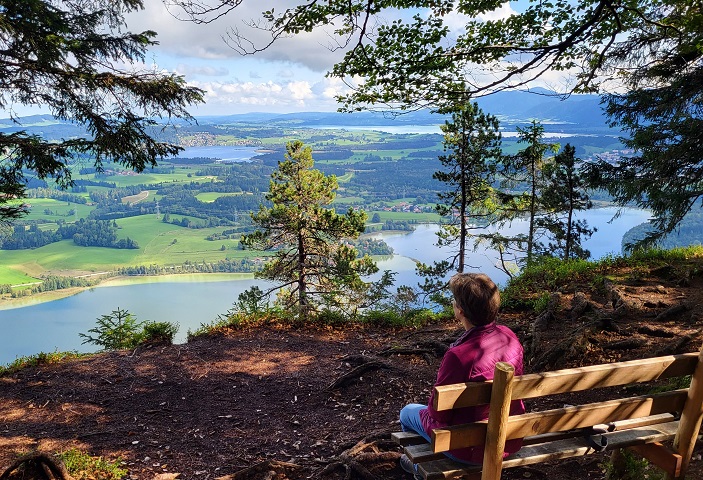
{"type": "Point", "coordinates": [357, 461]}
{"type": "Point", "coordinates": [267, 470]}
{"type": "Point", "coordinates": [38, 466]}
{"type": "Point", "coordinates": [356, 372]}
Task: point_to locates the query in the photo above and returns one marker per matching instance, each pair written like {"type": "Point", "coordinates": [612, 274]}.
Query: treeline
{"type": "Point", "coordinates": [56, 195]}
{"type": "Point", "coordinates": [243, 265]}
{"type": "Point", "coordinates": [371, 246]}
{"type": "Point", "coordinates": [49, 284]}
{"type": "Point", "coordinates": [191, 160]}
{"type": "Point", "coordinates": [392, 180]}
{"type": "Point", "coordinates": [402, 225]}
{"type": "Point", "coordinates": [225, 210]}
{"type": "Point", "coordinates": [687, 233]}
{"type": "Point", "coordinates": [85, 233]}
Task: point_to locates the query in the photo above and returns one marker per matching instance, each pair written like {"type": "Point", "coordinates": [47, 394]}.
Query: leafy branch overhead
{"type": "Point", "coordinates": [67, 57]}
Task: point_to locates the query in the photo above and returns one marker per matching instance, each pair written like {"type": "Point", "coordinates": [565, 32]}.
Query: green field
{"type": "Point", "coordinates": [209, 197]}
{"type": "Point", "coordinates": [8, 275]}
{"type": "Point", "coordinates": [159, 243]}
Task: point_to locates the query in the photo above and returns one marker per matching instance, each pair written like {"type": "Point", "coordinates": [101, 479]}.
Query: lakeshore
{"type": "Point", "coordinates": [121, 281]}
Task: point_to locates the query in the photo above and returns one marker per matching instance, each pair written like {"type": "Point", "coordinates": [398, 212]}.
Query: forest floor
{"type": "Point", "coordinates": [281, 403]}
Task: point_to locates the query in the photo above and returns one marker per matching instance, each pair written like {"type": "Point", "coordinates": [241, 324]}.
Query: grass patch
{"type": "Point", "coordinates": [553, 274]}
{"type": "Point", "coordinates": [209, 197]}
{"type": "Point", "coordinates": [84, 467]}
{"type": "Point", "coordinates": [40, 358]}
{"type": "Point", "coordinates": [10, 275]}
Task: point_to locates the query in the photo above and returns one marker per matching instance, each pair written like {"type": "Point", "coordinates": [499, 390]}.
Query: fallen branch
{"type": "Point", "coordinates": [354, 459]}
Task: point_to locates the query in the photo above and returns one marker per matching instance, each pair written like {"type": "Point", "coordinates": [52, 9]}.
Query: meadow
{"type": "Point", "coordinates": [165, 244]}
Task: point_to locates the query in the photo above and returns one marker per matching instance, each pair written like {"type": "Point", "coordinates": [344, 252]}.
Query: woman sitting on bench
{"type": "Point", "coordinates": [472, 357]}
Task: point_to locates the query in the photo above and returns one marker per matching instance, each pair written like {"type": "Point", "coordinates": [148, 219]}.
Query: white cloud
{"type": "Point", "coordinates": [253, 74]}
{"type": "Point", "coordinates": [500, 13]}
{"type": "Point", "coordinates": [242, 97]}
{"type": "Point", "coordinates": [180, 37]}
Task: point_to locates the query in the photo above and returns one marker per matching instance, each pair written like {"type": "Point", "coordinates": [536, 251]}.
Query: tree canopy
{"type": "Point", "coordinates": [76, 60]}
{"type": "Point", "coordinates": [646, 56]}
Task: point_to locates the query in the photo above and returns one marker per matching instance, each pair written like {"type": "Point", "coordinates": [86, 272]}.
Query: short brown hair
{"type": "Point", "coordinates": [477, 296]}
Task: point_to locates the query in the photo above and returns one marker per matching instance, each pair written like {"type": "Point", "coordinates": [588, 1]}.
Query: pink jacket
{"type": "Point", "coordinates": [472, 358]}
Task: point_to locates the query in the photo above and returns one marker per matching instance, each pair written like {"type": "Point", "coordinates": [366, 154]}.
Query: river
{"type": "Point", "coordinates": [194, 300]}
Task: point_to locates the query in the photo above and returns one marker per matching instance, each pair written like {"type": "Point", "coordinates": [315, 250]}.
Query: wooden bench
{"type": "Point", "coordinates": [639, 423]}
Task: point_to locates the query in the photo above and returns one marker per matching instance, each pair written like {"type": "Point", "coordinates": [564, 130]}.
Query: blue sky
{"type": "Point", "coordinates": [286, 77]}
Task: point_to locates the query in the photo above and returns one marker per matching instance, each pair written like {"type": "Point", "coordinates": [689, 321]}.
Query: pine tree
{"type": "Point", "coordinates": [67, 57]}
{"type": "Point", "coordinates": [563, 195]}
{"type": "Point", "coordinates": [523, 182]}
{"type": "Point", "coordinates": [472, 142]}
{"type": "Point", "coordinates": [312, 265]}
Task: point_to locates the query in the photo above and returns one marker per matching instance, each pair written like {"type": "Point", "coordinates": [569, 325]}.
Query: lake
{"type": "Point", "coordinates": [194, 300]}
{"type": "Point", "coordinates": [225, 153]}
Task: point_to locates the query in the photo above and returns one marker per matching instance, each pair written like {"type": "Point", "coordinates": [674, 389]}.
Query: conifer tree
{"type": "Point", "coordinates": [563, 195]}
{"type": "Point", "coordinates": [313, 264]}
{"type": "Point", "coordinates": [68, 57]}
{"type": "Point", "coordinates": [472, 142]}
{"type": "Point", "coordinates": [522, 183]}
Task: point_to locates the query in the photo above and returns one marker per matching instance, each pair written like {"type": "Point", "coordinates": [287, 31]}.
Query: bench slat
{"type": "Point", "coordinates": [569, 380]}
{"type": "Point", "coordinates": [419, 450]}
{"type": "Point", "coordinates": [555, 450]}
{"type": "Point", "coordinates": [407, 438]}
{"type": "Point", "coordinates": [561, 419]}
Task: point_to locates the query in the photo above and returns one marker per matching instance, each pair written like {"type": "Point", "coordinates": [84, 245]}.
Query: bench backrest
{"type": "Point", "coordinates": [505, 388]}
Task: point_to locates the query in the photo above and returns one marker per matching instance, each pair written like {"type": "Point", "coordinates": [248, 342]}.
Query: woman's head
{"type": "Point", "coordinates": [476, 296]}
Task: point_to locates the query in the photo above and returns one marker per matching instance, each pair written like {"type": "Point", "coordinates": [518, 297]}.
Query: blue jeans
{"type": "Point", "coordinates": [410, 422]}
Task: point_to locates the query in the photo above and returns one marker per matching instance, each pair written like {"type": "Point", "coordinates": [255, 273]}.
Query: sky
{"type": "Point", "coordinates": [288, 76]}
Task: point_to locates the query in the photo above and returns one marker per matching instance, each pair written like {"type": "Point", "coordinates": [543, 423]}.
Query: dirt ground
{"type": "Point", "coordinates": [274, 402]}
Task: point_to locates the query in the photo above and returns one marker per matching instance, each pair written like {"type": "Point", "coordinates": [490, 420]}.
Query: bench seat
{"type": "Point", "coordinates": [638, 423]}
{"type": "Point", "coordinates": [433, 466]}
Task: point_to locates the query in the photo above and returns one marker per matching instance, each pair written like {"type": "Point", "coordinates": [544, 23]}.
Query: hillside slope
{"type": "Point", "coordinates": [277, 399]}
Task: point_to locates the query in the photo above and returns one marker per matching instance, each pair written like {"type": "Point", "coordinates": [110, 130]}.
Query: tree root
{"type": "Point", "coordinates": [268, 470]}
{"type": "Point", "coordinates": [41, 464]}
{"type": "Point", "coordinates": [356, 372]}
{"type": "Point", "coordinates": [367, 451]}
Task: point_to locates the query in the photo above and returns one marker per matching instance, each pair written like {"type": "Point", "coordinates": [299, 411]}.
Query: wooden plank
{"type": "Point", "coordinates": [499, 412]}
{"type": "Point", "coordinates": [619, 426]}
{"type": "Point", "coordinates": [661, 456]}
{"type": "Point", "coordinates": [407, 438]}
{"type": "Point", "coordinates": [446, 468]}
{"type": "Point", "coordinates": [691, 417]}
{"type": "Point", "coordinates": [538, 453]}
{"type": "Point", "coordinates": [422, 453]}
{"type": "Point", "coordinates": [561, 419]}
{"type": "Point", "coordinates": [579, 446]}
{"type": "Point", "coordinates": [569, 380]}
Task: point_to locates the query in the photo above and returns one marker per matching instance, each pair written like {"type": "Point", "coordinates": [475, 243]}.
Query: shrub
{"type": "Point", "coordinates": [40, 358]}
{"type": "Point", "coordinates": [159, 333]}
